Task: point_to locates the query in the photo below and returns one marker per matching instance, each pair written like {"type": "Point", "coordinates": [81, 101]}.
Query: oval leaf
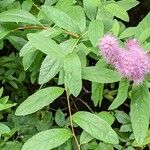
{"type": "Point", "coordinates": [61, 19]}
{"type": "Point", "coordinates": [48, 46]}
{"type": "Point", "coordinates": [95, 31]}
{"type": "Point", "coordinates": [38, 100]}
{"type": "Point", "coordinates": [17, 15]}
{"type": "Point", "coordinates": [49, 68]}
{"type": "Point", "coordinates": [117, 11]}
{"type": "Point", "coordinates": [122, 94]}
{"type": "Point", "coordinates": [47, 140]}
{"type": "Point", "coordinates": [96, 127]}
{"type": "Point", "coordinates": [72, 68]}
{"type": "Point", "coordinates": [140, 102]}
{"type": "Point", "coordinates": [102, 75]}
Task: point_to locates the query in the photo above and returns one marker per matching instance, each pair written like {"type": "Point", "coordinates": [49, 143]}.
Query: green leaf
{"type": "Point", "coordinates": [17, 15]}
{"type": "Point", "coordinates": [47, 140]}
{"type": "Point", "coordinates": [60, 118]}
{"type": "Point", "coordinates": [85, 137]}
{"type": "Point", "coordinates": [122, 117]}
{"type": "Point", "coordinates": [49, 68]}
{"type": "Point", "coordinates": [4, 129]}
{"type": "Point", "coordinates": [3, 32]}
{"type": "Point", "coordinates": [61, 19]}
{"type": "Point", "coordinates": [117, 11]}
{"type": "Point", "coordinates": [29, 58]}
{"type": "Point", "coordinates": [107, 116]}
{"type": "Point", "coordinates": [97, 93]}
{"type": "Point", "coordinates": [127, 4]}
{"type": "Point", "coordinates": [72, 68]}
{"type": "Point", "coordinates": [6, 106]}
{"type": "Point", "coordinates": [48, 46]}
{"type": "Point", "coordinates": [122, 94]}
{"type": "Point", "coordinates": [100, 75]}
{"type": "Point", "coordinates": [12, 146]}
{"type": "Point", "coordinates": [90, 7]}
{"type": "Point", "coordinates": [128, 32]}
{"type": "Point", "coordinates": [27, 5]}
{"type": "Point", "coordinates": [104, 146]}
{"type": "Point", "coordinates": [115, 28]}
{"type": "Point", "coordinates": [38, 100]}
{"type": "Point", "coordinates": [143, 25]}
{"type": "Point", "coordinates": [26, 49]}
{"type": "Point", "coordinates": [96, 127]}
{"type": "Point", "coordinates": [144, 35]}
{"type": "Point", "coordinates": [95, 31]}
{"type": "Point", "coordinates": [1, 91]}
{"type": "Point", "coordinates": [77, 14]}
{"type": "Point", "coordinates": [5, 3]}
{"type": "Point", "coordinates": [140, 112]}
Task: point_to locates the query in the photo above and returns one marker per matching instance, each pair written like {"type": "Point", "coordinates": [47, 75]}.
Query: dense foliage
{"type": "Point", "coordinates": [57, 90]}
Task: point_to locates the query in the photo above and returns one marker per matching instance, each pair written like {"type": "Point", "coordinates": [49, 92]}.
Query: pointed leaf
{"type": "Point", "coordinates": [100, 75]}
{"type": "Point", "coordinates": [72, 68]}
{"type": "Point", "coordinates": [95, 31]}
{"type": "Point", "coordinates": [49, 68]}
{"type": "Point", "coordinates": [45, 45]}
{"type": "Point", "coordinates": [117, 11]}
{"type": "Point", "coordinates": [95, 126]}
{"type": "Point", "coordinates": [140, 101]}
{"type": "Point", "coordinates": [61, 19]}
{"type": "Point", "coordinates": [17, 15]}
{"type": "Point", "coordinates": [47, 140]}
{"type": "Point", "coordinates": [122, 94]}
{"type": "Point", "coordinates": [38, 100]}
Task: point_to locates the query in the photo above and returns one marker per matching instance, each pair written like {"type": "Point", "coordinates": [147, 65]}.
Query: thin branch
{"type": "Point", "coordinates": [41, 27]}
{"type": "Point", "coordinates": [85, 104]}
{"type": "Point", "coordinates": [72, 34]}
{"type": "Point", "coordinates": [71, 122]}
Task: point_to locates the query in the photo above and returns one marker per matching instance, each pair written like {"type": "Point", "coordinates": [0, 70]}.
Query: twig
{"type": "Point", "coordinates": [72, 34]}
{"type": "Point", "coordinates": [42, 27]}
{"type": "Point", "coordinates": [70, 117]}
{"type": "Point", "coordinates": [85, 104]}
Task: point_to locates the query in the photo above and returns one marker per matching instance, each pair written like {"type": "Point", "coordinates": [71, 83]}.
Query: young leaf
{"type": "Point", "coordinates": [85, 137]}
{"type": "Point", "coordinates": [49, 68]}
{"type": "Point", "coordinates": [140, 112]}
{"type": "Point", "coordinates": [72, 68]}
{"type": "Point", "coordinates": [90, 7]}
{"type": "Point", "coordinates": [122, 94]}
{"type": "Point", "coordinates": [116, 27]}
{"type": "Point", "coordinates": [96, 127]}
{"type": "Point", "coordinates": [128, 32]}
{"type": "Point", "coordinates": [47, 140]}
{"type": "Point", "coordinates": [4, 129]}
{"type": "Point", "coordinates": [60, 118]}
{"type": "Point", "coordinates": [97, 93]}
{"type": "Point", "coordinates": [17, 15]}
{"type": "Point", "coordinates": [102, 75]}
{"type": "Point", "coordinates": [45, 45]}
{"type": "Point", "coordinates": [61, 19]}
{"type": "Point", "coordinates": [127, 5]}
{"type": "Point", "coordinates": [144, 35]}
{"type": "Point", "coordinates": [77, 14]}
{"type": "Point", "coordinates": [95, 31]}
{"type": "Point", "coordinates": [38, 100]}
{"type": "Point", "coordinates": [3, 32]}
{"type": "Point", "coordinates": [117, 11]}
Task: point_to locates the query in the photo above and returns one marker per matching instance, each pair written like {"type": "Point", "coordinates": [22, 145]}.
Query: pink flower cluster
{"type": "Point", "coordinates": [131, 62]}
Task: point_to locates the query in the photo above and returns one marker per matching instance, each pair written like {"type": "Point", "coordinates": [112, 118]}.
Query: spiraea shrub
{"type": "Point", "coordinates": [74, 75]}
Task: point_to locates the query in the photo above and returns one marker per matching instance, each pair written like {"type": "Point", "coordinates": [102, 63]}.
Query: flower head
{"type": "Point", "coordinates": [132, 61]}
{"type": "Point", "coordinates": [109, 48]}
{"type": "Point", "coordinates": [132, 44]}
{"type": "Point", "coordinates": [134, 65]}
